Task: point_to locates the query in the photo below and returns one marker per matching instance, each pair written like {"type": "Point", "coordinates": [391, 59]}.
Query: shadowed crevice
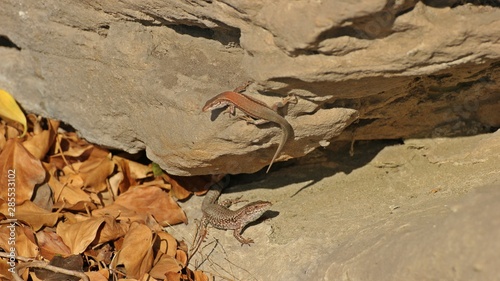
{"type": "Point", "coordinates": [6, 42]}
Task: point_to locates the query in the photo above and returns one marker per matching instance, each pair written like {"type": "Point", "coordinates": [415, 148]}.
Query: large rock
{"type": "Point", "coordinates": [135, 76]}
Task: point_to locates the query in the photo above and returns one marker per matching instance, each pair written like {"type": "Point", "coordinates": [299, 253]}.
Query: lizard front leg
{"type": "Point", "coordinates": [291, 98]}
{"type": "Point", "coordinates": [231, 109]}
{"type": "Point", "coordinates": [243, 87]}
{"type": "Point", "coordinates": [243, 240]}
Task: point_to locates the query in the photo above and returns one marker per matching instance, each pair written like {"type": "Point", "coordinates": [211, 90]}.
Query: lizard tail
{"type": "Point", "coordinates": [286, 135]}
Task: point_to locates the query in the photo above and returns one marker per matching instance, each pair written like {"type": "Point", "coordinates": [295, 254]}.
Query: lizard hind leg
{"type": "Point", "coordinates": [253, 121]}
{"type": "Point", "coordinates": [229, 202]}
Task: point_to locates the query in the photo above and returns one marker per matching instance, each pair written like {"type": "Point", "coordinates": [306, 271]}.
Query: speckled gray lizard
{"type": "Point", "coordinates": [218, 214]}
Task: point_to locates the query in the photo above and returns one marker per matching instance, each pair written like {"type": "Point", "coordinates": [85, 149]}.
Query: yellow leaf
{"type": "Point", "coordinates": [10, 111]}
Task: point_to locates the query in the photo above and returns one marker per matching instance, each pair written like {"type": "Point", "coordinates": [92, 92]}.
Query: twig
{"type": "Point", "coordinates": [25, 259]}
{"type": "Point", "coordinates": [210, 252]}
{"type": "Point", "coordinates": [201, 233]}
{"type": "Point", "coordinates": [44, 265]}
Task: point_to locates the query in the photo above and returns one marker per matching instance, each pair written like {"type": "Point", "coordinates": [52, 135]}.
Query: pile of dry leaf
{"type": "Point", "coordinates": [67, 206]}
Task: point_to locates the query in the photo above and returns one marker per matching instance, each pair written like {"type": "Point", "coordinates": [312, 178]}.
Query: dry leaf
{"type": "Point", "coordinates": [38, 144]}
{"type": "Point", "coordinates": [65, 194]}
{"type": "Point", "coordinates": [136, 254]}
{"type": "Point", "coordinates": [200, 276]}
{"type": "Point", "coordinates": [116, 182]}
{"type": "Point", "coordinates": [71, 179]}
{"type": "Point", "coordinates": [71, 149]}
{"type": "Point", "coordinates": [152, 200]}
{"type": "Point", "coordinates": [124, 214]}
{"type": "Point", "coordinates": [94, 173]}
{"type": "Point", "coordinates": [24, 239]}
{"type": "Point", "coordinates": [70, 145]}
{"type": "Point", "coordinates": [167, 245]}
{"type": "Point", "coordinates": [101, 275]}
{"type": "Point", "coordinates": [111, 230]}
{"type": "Point", "coordinates": [51, 244]}
{"type": "Point", "coordinates": [164, 265]}
{"type": "Point", "coordinates": [146, 277]}
{"type": "Point", "coordinates": [127, 179]}
{"type": "Point", "coordinates": [20, 171]}
{"type": "Point", "coordinates": [9, 110]}
{"type": "Point", "coordinates": [5, 274]}
{"type": "Point", "coordinates": [102, 253]}
{"type": "Point", "coordinates": [181, 257]}
{"type": "Point", "coordinates": [11, 132]}
{"type": "Point", "coordinates": [173, 276]}
{"type": "Point", "coordinates": [33, 215]}
{"type": "Point", "coordinates": [3, 131]}
{"type": "Point", "coordinates": [78, 236]}
{"type": "Point", "coordinates": [81, 206]}
{"type": "Point", "coordinates": [183, 186]}
{"type": "Point", "coordinates": [136, 170]}
{"type": "Point", "coordinates": [118, 245]}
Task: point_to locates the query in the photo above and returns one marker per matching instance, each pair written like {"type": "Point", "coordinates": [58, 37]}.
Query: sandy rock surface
{"type": "Point", "coordinates": [423, 210]}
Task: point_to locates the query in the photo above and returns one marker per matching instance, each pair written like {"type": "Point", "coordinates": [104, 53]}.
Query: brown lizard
{"type": "Point", "coordinates": [219, 216]}
{"type": "Point", "coordinates": [255, 109]}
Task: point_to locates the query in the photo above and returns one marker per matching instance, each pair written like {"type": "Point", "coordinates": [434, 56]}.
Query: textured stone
{"type": "Point", "coordinates": [135, 76]}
